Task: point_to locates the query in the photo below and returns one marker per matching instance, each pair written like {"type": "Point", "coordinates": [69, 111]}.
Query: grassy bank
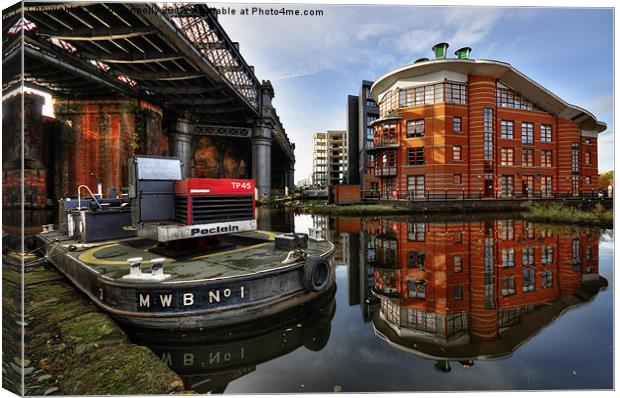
{"type": "Point", "coordinates": [558, 213]}
{"type": "Point", "coordinates": [71, 347]}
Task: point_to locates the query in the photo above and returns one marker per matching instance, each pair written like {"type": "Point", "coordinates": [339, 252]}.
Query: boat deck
{"type": "Point", "coordinates": [110, 258]}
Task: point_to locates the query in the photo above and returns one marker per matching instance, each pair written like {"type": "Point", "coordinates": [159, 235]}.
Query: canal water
{"type": "Point", "coordinates": [424, 305]}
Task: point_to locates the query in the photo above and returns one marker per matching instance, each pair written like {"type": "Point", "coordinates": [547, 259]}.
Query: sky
{"type": "Point", "coordinates": [314, 62]}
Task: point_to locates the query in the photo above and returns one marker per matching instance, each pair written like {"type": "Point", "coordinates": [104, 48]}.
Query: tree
{"type": "Point", "coordinates": [604, 179]}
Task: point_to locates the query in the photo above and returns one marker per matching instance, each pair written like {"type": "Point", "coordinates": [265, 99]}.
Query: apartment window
{"type": "Point", "coordinates": [508, 286]}
{"type": "Point", "coordinates": [507, 229]}
{"type": "Point", "coordinates": [509, 99]}
{"type": "Point", "coordinates": [416, 231]}
{"type": "Point", "coordinates": [546, 185]}
{"type": "Point", "coordinates": [456, 179]}
{"type": "Point", "coordinates": [458, 237]}
{"type": "Point", "coordinates": [508, 257]}
{"type": "Point", "coordinates": [507, 185]}
{"type": "Point", "coordinates": [415, 128]}
{"type": "Point", "coordinates": [458, 292]}
{"type": "Point", "coordinates": [417, 289]}
{"type": "Point", "coordinates": [546, 278]}
{"type": "Point", "coordinates": [455, 93]}
{"type": "Point", "coordinates": [546, 158]}
{"type": "Point", "coordinates": [456, 124]}
{"type": "Point", "coordinates": [527, 157]}
{"type": "Point", "coordinates": [424, 321]}
{"type": "Point", "coordinates": [588, 180]}
{"type": "Point", "coordinates": [391, 311]}
{"type": "Point", "coordinates": [527, 133]}
{"type": "Point", "coordinates": [575, 185]}
{"type": "Point", "coordinates": [415, 259]}
{"type": "Point", "coordinates": [587, 141]}
{"type": "Point", "coordinates": [547, 255]}
{"type": "Point", "coordinates": [576, 253]}
{"type": "Point", "coordinates": [488, 134]}
{"type": "Point", "coordinates": [415, 156]}
{"type": "Point", "coordinates": [545, 133]}
{"type": "Point", "coordinates": [456, 152]}
{"type": "Point", "coordinates": [528, 256]}
{"type": "Point", "coordinates": [528, 230]}
{"type": "Point", "coordinates": [529, 279]}
{"type": "Point", "coordinates": [588, 253]}
{"type": "Point", "coordinates": [507, 157]}
{"type": "Point", "coordinates": [457, 263]}
{"type": "Point", "coordinates": [415, 186]}
{"type": "Point", "coordinates": [575, 158]}
{"type": "Point", "coordinates": [507, 129]}
{"type": "Point", "coordinates": [588, 158]}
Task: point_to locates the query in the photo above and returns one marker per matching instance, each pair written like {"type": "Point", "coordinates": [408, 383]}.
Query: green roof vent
{"type": "Point", "coordinates": [440, 50]}
{"type": "Point", "coordinates": [463, 53]}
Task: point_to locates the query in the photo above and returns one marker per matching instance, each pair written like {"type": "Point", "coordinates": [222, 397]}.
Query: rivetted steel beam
{"type": "Point", "coordinates": [161, 75]}
{"type": "Point", "coordinates": [188, 90]}
{"type": "Point", "coordinates": [135, 58]}
{"type": "Point", "coordinates": [201, 101]}
{"type": "Point", "coordinates": [100, 33]}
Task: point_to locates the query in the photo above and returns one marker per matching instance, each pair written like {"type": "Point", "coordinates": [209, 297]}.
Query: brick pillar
{"type": "Point", "coordinates": [570, 133]}
{"type": "Point", "coordinates": [481, 95]}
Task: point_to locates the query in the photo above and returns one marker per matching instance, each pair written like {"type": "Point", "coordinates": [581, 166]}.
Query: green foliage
{"type": "Point", "coordinates": [604, 179]}
{"type": "Point", "coordinates": [557, 212]}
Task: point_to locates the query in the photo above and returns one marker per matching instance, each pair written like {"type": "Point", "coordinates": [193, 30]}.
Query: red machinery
{"type": "Point", "coordinates": [209, 200]}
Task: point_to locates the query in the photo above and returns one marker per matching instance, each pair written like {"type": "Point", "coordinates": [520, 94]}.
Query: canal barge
{"type": "Point", "coordinates": [184, 253]}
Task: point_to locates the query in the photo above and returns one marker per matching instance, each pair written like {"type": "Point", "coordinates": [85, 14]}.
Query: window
{"type": "Point", "coordinates": [415, 186]}
{"type": "Point", "coordinates": [575, 158]}
{"type": "Point", "coordinates": [528, 230]}
{"type": "Point", "coordinates": [588, 180]}
{"type": "Point", "coordinates": [456, 152]}
{"type": "Point", "coordinates": [456, 124]}
{"type": "Point", "coordinates": [416, 231]}
{"type": "Point", "coordinates": [529, 279]}
{"type": "Point", "coordinates": [528, 256]}
{"type": "Point", "coordinates": [456, 323]}
{"type": "Point", "coordinates": [455, 93]}
{"type": "Point", "coordinates": [508, 286]}
{"type": "Point", "coordinates": [587, 141]}
{"type": "Point", "coordinates": [527, 157]}
{"type": "Point", "coordinates": [527, 133]}
{"type": "Point", "coordinates": [576, 254]}
{"type": "Point", "coordinates": [507, 129]}
{"type": "Point", "coordinates": [458, 263]}
{"type": "Point", "coordinates": [507, 98]}
{"type": "Point", "coordinates": [588, 253]}
{"type": "Point", "coordinates": [488, 134]}
{"type": "Point", "coordinates": [507, 157]}
{"type": "Point", "coordinates": [458, 292]}
{"type": "Point", "coordinates": [546, 185]}
{"type": "Point", "coordinates": [458, 237]}
{"type": "Point", "coordinates": [456, 179]}
{"type": "Point", "coordinates": [415, 156]}
{"type": "Point", "coordinates": [545, 133]}
{"type": "Point", "coordinates": [424, 321]}
{"type": "Point", "coordinates": [391, 311]}
{"type": "Point", "coordinates": [415, 128]}
{"type": "Point", "coordinates": [507, 186]}
{"type": "Point", "coordinates": [588, 158]}
{"type": "Point", "coordinates": [547, 255]}
{"type": "Point", "coordinates": [416, 289]}
{"type": "Point", "coordinates": [508, 257]}
{"type": "Point", "coordinates": [415, 259]}
{"type": "Point", "coordinates": [546, 278]}
{"type": "Point", "coordinates": [546, 159]}
{"type": "Point", "coordinates": [575, 185]}
{"type": "Point", "coordinates": [507, 229]}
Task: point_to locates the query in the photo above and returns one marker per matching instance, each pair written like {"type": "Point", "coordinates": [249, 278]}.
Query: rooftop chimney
{"type": "Point", "coordinates": [440, 50]}
{"type": "Point", "coordinates": [463, 53]}
{"type": "Point", "coordinates": [420, 60]}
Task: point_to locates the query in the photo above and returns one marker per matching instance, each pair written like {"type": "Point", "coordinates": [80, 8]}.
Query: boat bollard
{"type": "Point", "coordinates": [134, 270]}
{"type": "Point", "coordinates": [157, 267]}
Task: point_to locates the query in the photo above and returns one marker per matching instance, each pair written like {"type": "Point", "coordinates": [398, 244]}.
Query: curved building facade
{"type": "Point", "coordinates": [465, 128]}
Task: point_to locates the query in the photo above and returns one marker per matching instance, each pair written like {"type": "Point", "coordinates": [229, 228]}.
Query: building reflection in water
{"type": "Point", "coordinates": [469, 290]}
{"type": "Point", "coordinates": [207, 361]}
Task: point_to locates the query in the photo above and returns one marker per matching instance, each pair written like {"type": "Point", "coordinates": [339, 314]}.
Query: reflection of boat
{"type": "Point", "coordinates": [209, 360]}
{"type": "Point", "coordinates": [207, 264]}
{"type": "Point", "coordinates": [476, 290]}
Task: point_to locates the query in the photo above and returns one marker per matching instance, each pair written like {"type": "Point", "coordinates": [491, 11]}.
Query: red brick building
{"type": "Point", "coordinates": [478, 129]}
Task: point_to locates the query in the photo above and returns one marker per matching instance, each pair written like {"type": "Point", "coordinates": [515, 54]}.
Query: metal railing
{"type": "Point", "coordinates": [462, 194]}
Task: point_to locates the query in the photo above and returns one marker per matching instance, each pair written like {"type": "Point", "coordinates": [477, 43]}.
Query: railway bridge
{"type": "Point", "coordinates": [149, 78]}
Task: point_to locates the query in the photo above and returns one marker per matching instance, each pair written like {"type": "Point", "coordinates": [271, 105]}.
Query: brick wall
{"type": "Point", "coordinates": [346, 194]}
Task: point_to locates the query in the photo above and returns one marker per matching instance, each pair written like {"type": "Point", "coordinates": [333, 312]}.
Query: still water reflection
{"type": "Point", "coordinates": [422, 305]}
{"type": "Point", "coordinates": [488, 304]}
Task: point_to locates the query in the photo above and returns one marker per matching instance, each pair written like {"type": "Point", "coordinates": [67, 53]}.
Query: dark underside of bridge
{"type": "Point", "coordinates": [173, 58]}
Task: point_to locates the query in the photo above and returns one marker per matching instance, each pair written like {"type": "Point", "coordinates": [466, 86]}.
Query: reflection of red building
{"type": "Point", "coordinates": [463, 283]}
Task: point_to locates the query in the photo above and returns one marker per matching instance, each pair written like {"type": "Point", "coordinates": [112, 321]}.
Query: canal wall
{"type": "Point", "coordinates": [72, 348]}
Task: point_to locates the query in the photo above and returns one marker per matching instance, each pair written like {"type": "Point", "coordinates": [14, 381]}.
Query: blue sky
{"type": "Point", "coordinates": [315, 62]}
